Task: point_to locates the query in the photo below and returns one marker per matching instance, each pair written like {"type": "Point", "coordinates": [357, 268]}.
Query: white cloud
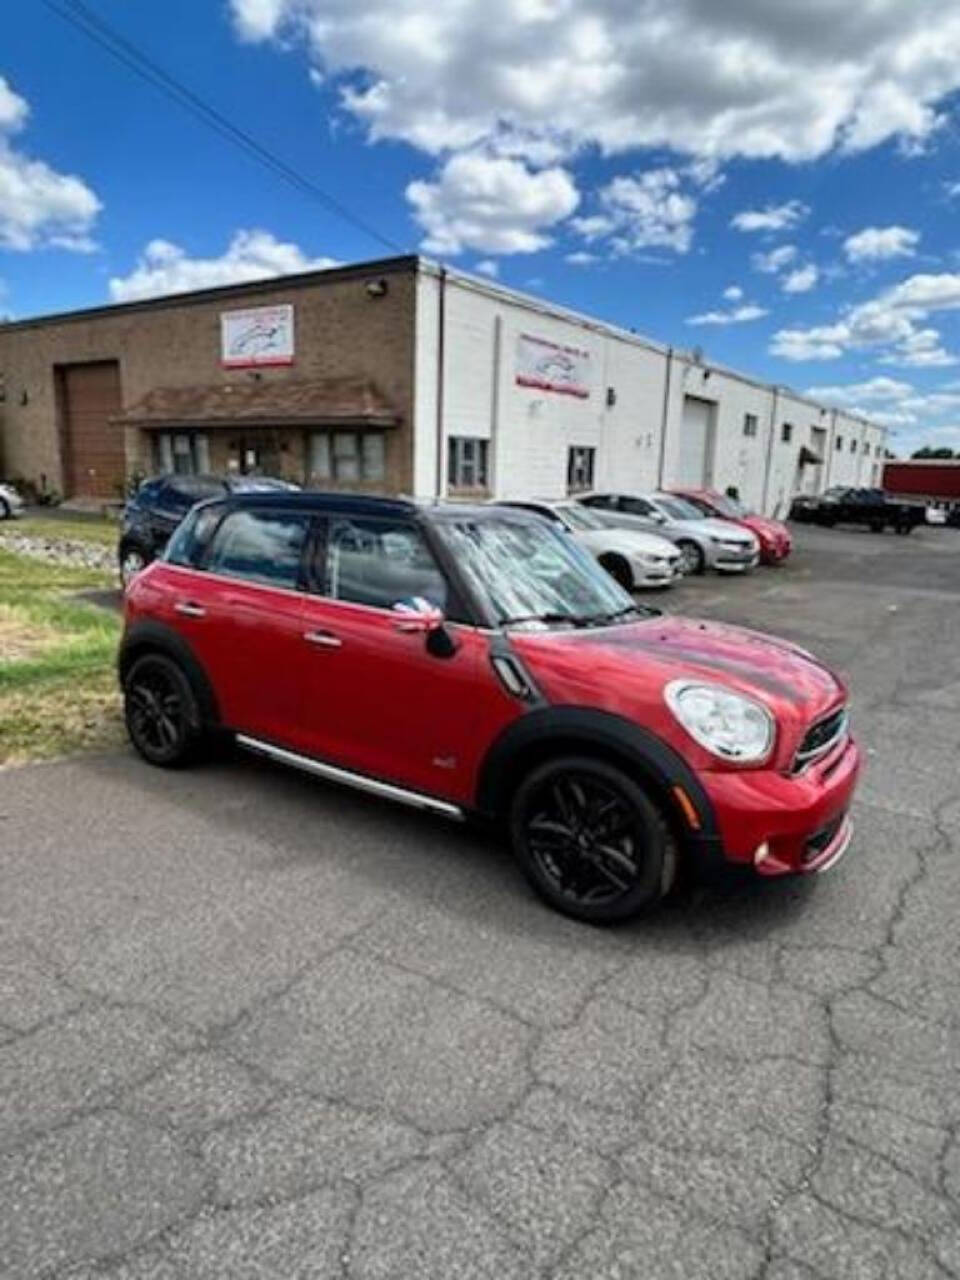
{"type": "Point", "coordinates": [873, 390]}
{"type": "Point", "coordinates": [739, 315]}
{"type": "Point", "coordinates": [802, 280]}
{"type": "Point", "coordinates": [487, 267]}
{"type": "Point", "coordinates": [38, 206]}
{"type": "Point", "coordinates": [894, 322]}
{"type": "Point", "coordinates": [874, 244]}
{"type": "Point", "coordinates": [779, 217]}
{"type": "Point", "coordinates": [164, 267]}
{"type": "Point", "coordinates": [792, 80]}
{"type": "Point", "coordinates": [491, 203]}
{"type": "Point", "coordinates": [582, 258]}
{"type": "Point", "coordinates": [733, 294]}
{"type": "Point", "coordinates": [654, 209]}
{"type": "Point", "coordinates": [775, 260]}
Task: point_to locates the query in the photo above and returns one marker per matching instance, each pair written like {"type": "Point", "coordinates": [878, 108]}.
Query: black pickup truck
{"type": "Point", "coordinates": [870, 507]}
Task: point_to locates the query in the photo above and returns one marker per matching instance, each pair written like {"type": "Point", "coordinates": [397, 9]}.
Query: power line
{"type": "Point", "coordinates": [101, 33]}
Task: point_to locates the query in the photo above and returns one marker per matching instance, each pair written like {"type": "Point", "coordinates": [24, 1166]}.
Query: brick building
{"type": "Point", "coordinates": [399, 376]}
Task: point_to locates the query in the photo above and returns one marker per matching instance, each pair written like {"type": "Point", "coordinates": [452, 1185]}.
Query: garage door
{"type": "Point", "coordinates": [93, 445]}
{"type": "Point", "coordinates": [695, 466]}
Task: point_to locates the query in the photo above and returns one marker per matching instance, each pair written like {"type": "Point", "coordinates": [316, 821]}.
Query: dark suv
{"type": "Point", "coordinates": [478, 661]}
{"type": "Point", "coordinates": [160, 504]}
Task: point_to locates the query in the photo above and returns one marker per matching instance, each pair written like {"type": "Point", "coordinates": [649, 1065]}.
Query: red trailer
{"type": "Point", "coordinates": [935, 480]}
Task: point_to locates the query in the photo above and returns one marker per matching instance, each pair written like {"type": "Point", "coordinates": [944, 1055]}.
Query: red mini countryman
{"type": "Point", "coordinates": [475, 661]}
{"type": "Point", "coordinates": [773, 536]}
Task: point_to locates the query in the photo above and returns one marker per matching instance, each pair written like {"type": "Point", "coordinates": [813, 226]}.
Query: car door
{"type": "Point", "coordinates": [380, 697]}
{"type": "Point", "coordinates": [242, 614]}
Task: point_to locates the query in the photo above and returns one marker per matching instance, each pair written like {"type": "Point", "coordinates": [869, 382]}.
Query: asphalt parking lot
{"type": "Point", "coordinates": [252, 1026]}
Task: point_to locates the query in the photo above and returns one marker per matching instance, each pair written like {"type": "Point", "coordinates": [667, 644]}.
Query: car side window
{"type": "Point", "coordinates": [260, 546]}
{"type": "Point", "coordinates": [635, 507]}
{"type": "Point", "coordinates": [602, 500]}
{"type": "Point", "coordinates": [380, 563]}
{"type": "Point", "coordinates": [188, 545]}
{"type": "Point", "coordinates": [170, 500]}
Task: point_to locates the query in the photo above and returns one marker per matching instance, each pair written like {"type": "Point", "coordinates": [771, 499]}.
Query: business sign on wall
{"type": "Point", "coordinates": [259, 336]}
{"type": "Point", "coordinates": [551, 367]}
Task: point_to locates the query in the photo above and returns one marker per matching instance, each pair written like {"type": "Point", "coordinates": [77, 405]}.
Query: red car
{"type": "Point", "coordinates": [774, 537]}
{"type": "Point", "coordinates": [476, 662]}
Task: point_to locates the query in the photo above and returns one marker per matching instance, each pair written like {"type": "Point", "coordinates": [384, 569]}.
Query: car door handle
{"type": "Point", "coordinates": [189, 609]}
{"type": "Point", "coordinates": [323, 639]}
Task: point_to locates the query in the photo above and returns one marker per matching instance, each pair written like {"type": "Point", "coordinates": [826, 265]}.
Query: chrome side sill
{"type": "Point", "coordinates": [360, 781]}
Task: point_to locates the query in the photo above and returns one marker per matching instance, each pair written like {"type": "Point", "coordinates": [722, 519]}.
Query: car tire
{"type": "Point", "coordinates": [161, 712]}
{"type": "Point", "coordinates": [5, 512]}
{"type": "Point", "coordinates": [591, 841]}
{"type": "Point", "coordinates": [692, 559]}
{"type": "Point", "coordinates": [619, 570]}
{"type": "Point", "coordinates": [876, 528]}
{"type": "Point", "coordinates": [132, 559]}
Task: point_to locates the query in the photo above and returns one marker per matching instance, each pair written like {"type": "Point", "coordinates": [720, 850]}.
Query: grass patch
{"type": "Point", "coordinates": [58, 689]}
{"type": "Point", "coordinates": [102, 532]}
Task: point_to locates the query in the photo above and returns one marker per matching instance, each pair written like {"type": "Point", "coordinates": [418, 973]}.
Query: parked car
{"type": "Point", "coordinates": [475, 661]}
{"type": "Point", "coordinates": [703, 542]}
{"type": "Point", "coordinates": [152, 514]}
{"type": "Point", "coordinates": [870, 507]}
{"type": "Point", "coordinates": [775, 540]}
{"type": "Point", "coordinates": [634, 558]}
{"type": "Point", "coordinates": [11, 504]}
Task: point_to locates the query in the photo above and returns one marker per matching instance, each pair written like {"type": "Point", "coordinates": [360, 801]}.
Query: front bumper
{"type": "Point", "coordinates": [775, 552]}
{"type": "Point", "coordinates": [656, 575]}
{"type": "Point", "coordinates": [784, 824]}
{"type": "Point", "coordinates": [726, 560]}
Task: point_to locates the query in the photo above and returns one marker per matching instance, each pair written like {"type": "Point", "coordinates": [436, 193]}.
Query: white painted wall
{"type": "Point", "coordinates": [531, 429]}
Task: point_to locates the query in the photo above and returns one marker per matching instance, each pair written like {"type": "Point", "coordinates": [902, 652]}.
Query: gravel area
{"type": "Point", "coordinates": [65, 551]}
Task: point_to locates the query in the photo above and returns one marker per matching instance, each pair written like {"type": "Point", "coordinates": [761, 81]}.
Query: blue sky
{"type": "Point", "coordinates": [778, 184]}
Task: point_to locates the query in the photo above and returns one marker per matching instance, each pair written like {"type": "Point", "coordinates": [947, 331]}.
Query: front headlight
{"type": "Point", "coordinates": [726, 724]}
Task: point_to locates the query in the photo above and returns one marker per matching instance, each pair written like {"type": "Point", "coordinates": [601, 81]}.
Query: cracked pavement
{"type": "Point", "coordinates": [255, 1027]}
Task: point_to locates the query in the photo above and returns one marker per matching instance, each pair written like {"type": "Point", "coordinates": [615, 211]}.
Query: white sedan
{"type": "Point", "coordinates": [634, 558]}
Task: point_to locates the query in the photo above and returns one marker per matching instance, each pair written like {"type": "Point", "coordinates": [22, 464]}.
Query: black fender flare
{"type": "Point", "coordinates": [155, 637]}
{"type": "Point", "coordinates": [563, 729]}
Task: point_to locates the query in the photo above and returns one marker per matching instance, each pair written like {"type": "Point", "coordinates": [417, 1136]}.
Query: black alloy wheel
{"type": "Point", "coordinates": [619, 570]}
{"type": "Point", "coordinates": [161, 711]}
{"type": "Point", "coordinates": [691, 557]}
{"type": "Point", "coordinates": [591, 841]}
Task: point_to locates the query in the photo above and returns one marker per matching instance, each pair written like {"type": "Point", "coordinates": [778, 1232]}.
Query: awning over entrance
{"type": "Point", "coordinates": [294, 402]}
{"type": "Point", "coordinates": [810, 459]}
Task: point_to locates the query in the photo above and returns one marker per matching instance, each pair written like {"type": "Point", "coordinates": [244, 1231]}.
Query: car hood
{"type": "Point", "coordinates": [712, 527]}
{"type": "Point", "coordinates": [778, 673]}
{"type": "Point", "coordinates": [764, 527]}
{"type": "Point", "coordinates": [628, 542]}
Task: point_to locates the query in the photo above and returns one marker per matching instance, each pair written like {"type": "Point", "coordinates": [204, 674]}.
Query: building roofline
{"type": "Point", "coordinates": [221, 293]}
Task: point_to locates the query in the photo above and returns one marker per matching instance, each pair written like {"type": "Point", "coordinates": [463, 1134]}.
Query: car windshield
{"type": "Point", "coordinates": [578, 517]}
{"type": "Point", "coordinates": [678, 509]}
{"type": "Point", "coordinates": [731, 507]}
{"type": "Point", "coordinates": [530, 572]}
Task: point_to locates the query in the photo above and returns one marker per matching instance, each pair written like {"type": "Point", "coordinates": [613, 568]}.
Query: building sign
{"type": "Point", "coordinates": [550, 367]}
{"type": "Point", "coordinates": [262, 335]}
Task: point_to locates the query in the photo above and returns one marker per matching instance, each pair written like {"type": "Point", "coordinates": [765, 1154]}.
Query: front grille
{"type": "Point", "coordinates": [820, 737]}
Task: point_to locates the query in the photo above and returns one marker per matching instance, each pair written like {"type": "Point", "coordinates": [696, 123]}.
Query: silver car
{"type": "Point", "coordinates": [11, 504]}
{"type": "Point", "coordinates": [632, 556]}
{"type": "Point", "coordinates": [703, 542]}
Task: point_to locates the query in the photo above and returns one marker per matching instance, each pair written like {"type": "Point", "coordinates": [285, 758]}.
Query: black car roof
{"type": "Point", "coordinates": [363, 504]}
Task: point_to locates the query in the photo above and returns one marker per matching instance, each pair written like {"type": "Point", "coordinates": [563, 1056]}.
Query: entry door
{"type": "Point", "coordinates": [695, 464]}
{"type": "Point", "coordinates": [378, 698]}
{"type": "Point", "coordinates": [813, 473]}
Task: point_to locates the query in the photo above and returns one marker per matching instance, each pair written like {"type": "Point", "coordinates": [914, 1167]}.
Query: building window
{"type": "Point", "coordinates": [786, 432]}
{"type": "Point", "coordinates": [347, 457]}
{"type": "Point", "coordinates": [839, 443]}
{"type": "Point", "coordinates": [750, 424]}
{"type": "Point", "coordinates": [853, 446]}
{"type": "Point", "coordinates": [467, 462]}
{"type": "Point", "coordinates": [184, 454]}
{"type": "Point", "coordinates": [580, 467]}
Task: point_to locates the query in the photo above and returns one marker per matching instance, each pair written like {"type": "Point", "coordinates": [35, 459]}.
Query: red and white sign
{"type": "Point", "coordinates": [551, 367]}
{"type": "Point", "coordinates": [259, 336]}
